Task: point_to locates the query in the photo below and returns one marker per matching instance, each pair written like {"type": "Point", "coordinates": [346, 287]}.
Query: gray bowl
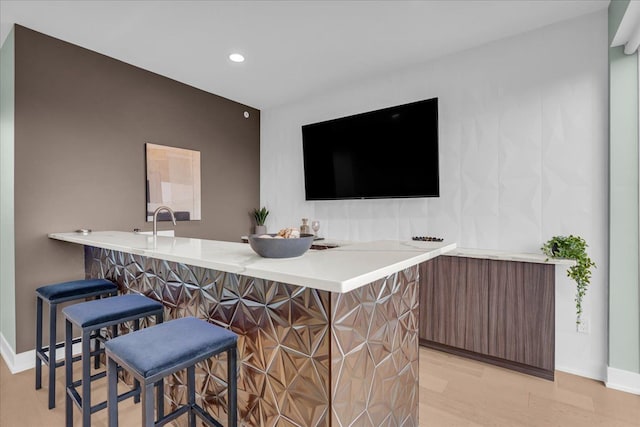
{"type": "Point", "coordinates": [280, 248]}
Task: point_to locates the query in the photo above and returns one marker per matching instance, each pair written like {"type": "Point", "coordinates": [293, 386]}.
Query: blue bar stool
{"type": "Point", "coordinates": [91, 317]}
{"type": "Point", "coordinates": [156, 352]}
{"type": "Point", "coordinates": [53, 295]}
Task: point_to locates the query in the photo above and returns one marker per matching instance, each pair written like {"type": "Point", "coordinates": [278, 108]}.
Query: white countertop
{"type": "Point", "coordinates": [339, 269]}
{"type": "Point", "coordinates": [509, 256]}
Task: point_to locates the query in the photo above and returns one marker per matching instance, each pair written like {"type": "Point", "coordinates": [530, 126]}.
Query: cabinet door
{"type": "Point", "coordinates": [454, 302]}
{"type": "Point", "coordinates": [521, 313]}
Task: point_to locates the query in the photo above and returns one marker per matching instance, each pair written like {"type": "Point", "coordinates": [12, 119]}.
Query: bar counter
{"type": "Point", "coordinates": [326, 339]}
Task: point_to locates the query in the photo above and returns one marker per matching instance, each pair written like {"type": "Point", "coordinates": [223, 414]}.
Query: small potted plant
{"type": "Point", "coordinates": [575, 248]}
{"type": "Point", "coordinates": [260, 215]}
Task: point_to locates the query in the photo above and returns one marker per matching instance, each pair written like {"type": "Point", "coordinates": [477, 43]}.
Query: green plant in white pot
{"type": "Point", "coordinates": [575, 248]}
{"type": "Point", "coordinates": [260, 216]}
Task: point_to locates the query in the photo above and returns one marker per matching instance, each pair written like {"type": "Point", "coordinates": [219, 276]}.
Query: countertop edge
{"type": "Point", "coordinates": [509, 256]}
{"type": "Point", "coordinates": [414, 255]}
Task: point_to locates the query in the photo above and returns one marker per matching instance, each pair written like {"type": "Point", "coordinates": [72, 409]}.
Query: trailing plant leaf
{"type": "Point", "coordinates": [575, 248]}
{"type": "Point", "coordinates": [260, 215]}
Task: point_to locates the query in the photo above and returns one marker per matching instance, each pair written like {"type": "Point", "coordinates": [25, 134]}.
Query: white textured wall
{"type": "Point", "coordinates": [523, 157]}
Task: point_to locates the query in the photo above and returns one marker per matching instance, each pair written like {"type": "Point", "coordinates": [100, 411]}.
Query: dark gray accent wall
{"type": "Point", "coordinates": [81, 122]}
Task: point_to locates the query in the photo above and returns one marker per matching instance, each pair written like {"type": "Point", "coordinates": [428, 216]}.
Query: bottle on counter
{"type": "Point", "coordinates": [305, 228]}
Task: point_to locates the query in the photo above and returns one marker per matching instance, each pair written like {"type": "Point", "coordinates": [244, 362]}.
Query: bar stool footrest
{"type": "Point", "coordinates": [206, 417]}
{"type": "Point", "coordinates": [96, 376]}
{"type": "Point", "coordinates": [124, 396]}
{"type": "Point", "coordinates": [77, 399]}
{"type": "Point", "coordinates": [44, 353]}
{"type": "Point", "coordinates": [172, 416]}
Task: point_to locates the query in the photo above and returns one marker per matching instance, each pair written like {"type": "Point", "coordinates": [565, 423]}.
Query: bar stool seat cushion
{"type": "Point", "coordinates": [110, 310]}
{"type": "Point", "coordinates": [75, 288]}
{"type": "Point", "coordinates": [170, 344]}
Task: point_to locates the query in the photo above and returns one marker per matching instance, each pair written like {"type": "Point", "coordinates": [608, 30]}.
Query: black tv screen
{"type": "Point", "coordinates": [385, 153]}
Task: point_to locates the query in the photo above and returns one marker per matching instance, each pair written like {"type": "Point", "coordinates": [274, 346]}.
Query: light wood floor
{"type": "Point", "coordinates": [459, 392]}
{"type": "Point", "coordinates": [453, 392]}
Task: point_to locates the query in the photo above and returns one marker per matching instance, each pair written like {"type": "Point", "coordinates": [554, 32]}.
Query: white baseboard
{"type": "Point", "coordinates": [594, 373]}
{"type": "Point", "coordinates": [622, 380]}
{"type": "Point", "coordinates": [27, 360]}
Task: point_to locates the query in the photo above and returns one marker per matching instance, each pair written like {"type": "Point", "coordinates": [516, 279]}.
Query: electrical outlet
{"type": "Point", "coordinates": [583, 326]}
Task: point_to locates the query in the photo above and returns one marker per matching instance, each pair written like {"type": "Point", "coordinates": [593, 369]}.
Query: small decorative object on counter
{"type": "Point", "coordinates": [288, 233]}
{"type": "Point", "coordinates": [285, 233]}
{"type": "Point", "coordinates": [305, 228]}
{"type": "Point", "coordinates": [315, 225]}
{"type": "Point", "coordinates": [260, 215]}
{"type": "Point", "coordinates": [427, 239]}
{"type": "Point", "coordinates": [575, 248]}
{"type": "Point", "coordinates": [287, 243]}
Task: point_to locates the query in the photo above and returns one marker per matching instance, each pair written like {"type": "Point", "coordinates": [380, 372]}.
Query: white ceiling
{"type": "Point", "coordinates": [293, 49]}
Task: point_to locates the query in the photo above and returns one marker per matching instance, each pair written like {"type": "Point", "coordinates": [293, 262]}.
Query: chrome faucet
{"type": "Point", "coordinates": [155, 218]}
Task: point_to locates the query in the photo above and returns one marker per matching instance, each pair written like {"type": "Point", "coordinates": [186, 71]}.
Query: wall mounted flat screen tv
{"type": "Point", "coordinates": [388, 153]}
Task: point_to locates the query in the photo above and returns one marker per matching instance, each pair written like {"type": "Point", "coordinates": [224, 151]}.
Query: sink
{"type": "Point", "coordinates": [322, 246]}
{"type": "Point", "coordinates": [167, 233]}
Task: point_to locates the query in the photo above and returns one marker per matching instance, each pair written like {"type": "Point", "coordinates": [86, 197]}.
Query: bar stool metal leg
{"type": "Point", "coordinates": [38, 342]}
{"type": "Point", "coordinates": [112, 397]}
{"type": "Point", "coordinates": [191, 393]}
{"type": "Point", "coordinates": [160, 398]}
{"type": "Point", "coordinates": [53, 309]}
{"type": "Point", "coordinates": [147, 405]}
{"type": "Point", "coordinates": [136, 383]}
{"type": "Point", "coordinates": [232, 387]}
{"type": "Point", "coordinates": [68, 369]}
{"type": "Point", "coordinates": [96, 348]}
{"type": "Point", "coordinates": [86, 379]}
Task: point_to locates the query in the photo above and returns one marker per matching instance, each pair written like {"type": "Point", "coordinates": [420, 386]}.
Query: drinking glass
{"type": "Point", "coordinates": [315, 226]}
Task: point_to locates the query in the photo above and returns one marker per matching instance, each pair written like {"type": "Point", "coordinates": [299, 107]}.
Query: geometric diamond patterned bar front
{"type": "Point", "coordinates": [374, 353]}
{"type": "Point", "coordinates": [306, 357]}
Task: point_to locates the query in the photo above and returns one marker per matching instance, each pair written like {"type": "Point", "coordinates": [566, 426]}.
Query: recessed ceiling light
{"type": "Point", "coordinates": [236, 57]}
